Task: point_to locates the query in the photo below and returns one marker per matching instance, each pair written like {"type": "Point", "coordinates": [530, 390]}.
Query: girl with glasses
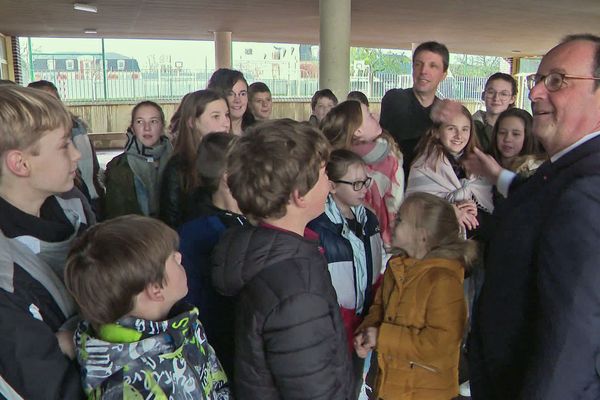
{"type": "Point", "coordinates": [350, 235]}
{"type": "Point", "coordinates": [499, 95]}
{"type": "Point", "coordinates": [351, 126]}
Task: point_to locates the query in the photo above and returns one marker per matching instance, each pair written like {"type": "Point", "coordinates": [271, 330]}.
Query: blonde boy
{"type": "Point", "coordinates": [37, 161]}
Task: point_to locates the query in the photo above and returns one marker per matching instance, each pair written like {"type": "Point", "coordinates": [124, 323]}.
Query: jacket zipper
{"type": "Point", "coordinates": [426, 367]}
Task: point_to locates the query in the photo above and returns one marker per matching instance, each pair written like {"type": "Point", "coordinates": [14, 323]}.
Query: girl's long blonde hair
{"type": "Point", "coordinates": [437, 217]}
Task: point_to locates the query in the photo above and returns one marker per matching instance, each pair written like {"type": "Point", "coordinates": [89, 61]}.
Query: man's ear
{"type": "Point", "coordinates": [16, 162]}
{"type": "Point", "coordinates": [154, 292]}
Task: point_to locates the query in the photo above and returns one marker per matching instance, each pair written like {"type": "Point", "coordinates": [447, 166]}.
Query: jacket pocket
{"type": "Point", "coordinates": [414, 364]}
{"type": "Point", "coordinates": [428, 377]}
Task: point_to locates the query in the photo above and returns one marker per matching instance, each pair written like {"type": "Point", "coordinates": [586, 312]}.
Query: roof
{"type": "Point", "coordinates": [487, 27]}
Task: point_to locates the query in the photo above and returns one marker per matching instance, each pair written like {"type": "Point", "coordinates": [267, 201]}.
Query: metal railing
{"type": "Point", "coordinates": [289, 81]}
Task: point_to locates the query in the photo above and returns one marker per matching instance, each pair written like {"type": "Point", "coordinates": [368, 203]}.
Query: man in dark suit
{"type": "Point", "coordinates": [536, 325]}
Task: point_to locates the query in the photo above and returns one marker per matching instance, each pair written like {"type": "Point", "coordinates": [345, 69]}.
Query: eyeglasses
{"type": "Point", "coordinates": [554, 81]}
{"type": "Point", "coordinates": [503, 95]}
{"type": "Point", "coordinates": [357, 185]}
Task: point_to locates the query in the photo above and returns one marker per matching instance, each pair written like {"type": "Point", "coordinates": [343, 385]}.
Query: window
{"type": "Point", "coordinates": [51, 64]}
{"type": "Point", "coordinates": [70, 65]}
{"type": "Point", "coordinates": [121, 65]}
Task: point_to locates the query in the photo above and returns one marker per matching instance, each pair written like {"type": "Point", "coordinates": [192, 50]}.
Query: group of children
{"type": "Point", "coordinates": [290, 303]}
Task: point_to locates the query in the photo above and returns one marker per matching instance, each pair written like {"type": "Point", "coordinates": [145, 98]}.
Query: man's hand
{"type": "Point", "coordinates": [444, 111]}
{"type": "Point", "coordinates": [481, 164]}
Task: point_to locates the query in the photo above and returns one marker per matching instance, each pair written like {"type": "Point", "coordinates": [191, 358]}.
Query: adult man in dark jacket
{"type": "Point", "coordinates": [290, 341]}
{"type": "Point", "coordinates": [405, 112]}
{"type": "Point", "coordinates": [536, 326]}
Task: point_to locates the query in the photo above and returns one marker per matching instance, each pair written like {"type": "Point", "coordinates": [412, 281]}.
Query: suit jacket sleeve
{"type": "Point", "coordinates": [566, 365]}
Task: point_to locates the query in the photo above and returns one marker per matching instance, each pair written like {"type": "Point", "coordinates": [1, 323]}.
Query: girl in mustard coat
{"type": "Point", "coordinates": [419, 313]}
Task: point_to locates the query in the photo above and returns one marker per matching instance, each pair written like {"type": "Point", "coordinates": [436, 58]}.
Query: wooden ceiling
{"type": "Point", "coordinates": [487, 27]}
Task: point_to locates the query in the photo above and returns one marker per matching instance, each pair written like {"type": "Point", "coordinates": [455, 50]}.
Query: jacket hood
{"type": "Point", "coordinates": [118, 345]}
{"type": "Point", "coordinates": [406, 269]}
{"type": "Point", "coordinates": [243, 252]}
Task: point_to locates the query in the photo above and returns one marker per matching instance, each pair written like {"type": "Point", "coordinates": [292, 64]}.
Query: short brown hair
{"type": "Point", "coordinates": [272, 160]}
{"type": "Point", "coordinates": [320, 94]}
{"type": "Point", "coordinates": [212, 159]}
{"type": "Point", "coordinates": [437, 48]}
{"type": "Point", "coordinates": [501, 76]}
{"type": "Point", "coordinates": [437, 217]}
{"type": "Point", "coordinates": [340, 161]}
{"type": "Point", "coordinates": [114, 261]}
{"type": "Point", "coordinates": [45, 85]}
{"type": "Point", "coordinates": [26, 115]}
{"type": "Point", "coordinates": [257, 87]}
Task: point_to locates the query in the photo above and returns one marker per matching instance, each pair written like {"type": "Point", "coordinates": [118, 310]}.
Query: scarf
{"type": "Point", "coordinates": [147, 165]}
{"type": "Point", "coordinates": [442, 181]}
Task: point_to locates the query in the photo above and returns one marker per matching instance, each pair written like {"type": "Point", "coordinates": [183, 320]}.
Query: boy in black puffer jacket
{"type": "Point", "coordinates": [289, 340]}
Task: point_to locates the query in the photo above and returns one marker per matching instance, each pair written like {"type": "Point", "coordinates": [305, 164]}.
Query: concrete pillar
{"type": "Point", "coordinates": [334, 46]}
{"type": "Point", "coordinates": [515, 65]}
{"type": "Point", "coordinates": [413, 47]}
{"type": "Point", "coordinates": [222, 49]}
